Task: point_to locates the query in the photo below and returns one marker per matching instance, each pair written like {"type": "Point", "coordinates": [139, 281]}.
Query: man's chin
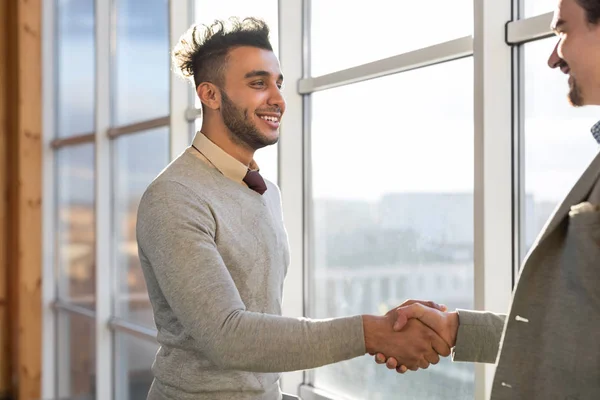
{"type": "Point", "coordinates": [575, 96]}
{"type": "Point", "coordinates": [576, 100]}
{"type": "Point", "coordinates": [270, 138]}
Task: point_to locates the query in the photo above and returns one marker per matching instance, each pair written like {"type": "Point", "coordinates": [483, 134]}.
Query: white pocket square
{"type": "Point", "coordinates": [585, 207]}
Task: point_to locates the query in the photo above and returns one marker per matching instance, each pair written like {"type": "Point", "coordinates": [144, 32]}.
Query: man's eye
{"type": "Point", "coordinates": [258, 83]}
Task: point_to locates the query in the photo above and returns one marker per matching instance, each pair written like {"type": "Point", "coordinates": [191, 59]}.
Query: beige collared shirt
{"type": "Point", "coordinates": [216, 157]}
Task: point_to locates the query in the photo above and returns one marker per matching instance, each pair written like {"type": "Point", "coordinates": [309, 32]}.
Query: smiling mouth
{"type": "Point", "coordinates": [270, 118]}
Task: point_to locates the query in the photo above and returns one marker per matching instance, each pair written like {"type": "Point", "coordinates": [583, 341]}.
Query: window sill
{"type": "Point", "coordinates": [308, 392]}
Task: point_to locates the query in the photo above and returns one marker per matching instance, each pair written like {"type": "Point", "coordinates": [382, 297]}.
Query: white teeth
{"type": "Point", "coordinates": [268, 118]}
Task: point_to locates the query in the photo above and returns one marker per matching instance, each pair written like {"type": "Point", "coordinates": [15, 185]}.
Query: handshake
{"type": "Point", "coordinates": [411, 336]}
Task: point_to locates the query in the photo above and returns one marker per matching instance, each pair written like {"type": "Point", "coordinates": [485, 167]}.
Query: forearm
{"type": "Point", "coordinates": [258, 342]}
{"type": "Point", "coordinates": [478, 337]}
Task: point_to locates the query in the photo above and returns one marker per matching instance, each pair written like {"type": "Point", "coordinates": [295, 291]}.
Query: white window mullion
{"type": "Point", "coordinates": [104, 336]}
{"type": "Point", "coordinates": [181, 92]}
{"type": "Point", "coordinates": [519, 208]}
{"type": "Point", "coordinates": [493, 167]}
{"type": "Point", "coordinates": [434, 54]}
{"type": "Point", "coordinates": [291, 175]}
{"type": "Point", "coordinates": [526, 30]}
{"type": "Point", "coordinates": [49, 279]}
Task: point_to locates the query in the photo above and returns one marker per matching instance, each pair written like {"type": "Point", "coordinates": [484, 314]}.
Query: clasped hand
{"type": "Point", "coordinates": [424, 332]}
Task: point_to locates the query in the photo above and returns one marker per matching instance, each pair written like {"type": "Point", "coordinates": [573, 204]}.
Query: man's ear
{"type": "Point", "coordinates": [209, 95]}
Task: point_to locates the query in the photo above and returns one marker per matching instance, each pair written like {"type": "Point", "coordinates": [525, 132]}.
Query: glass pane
{"type": "Point", "coordinates": [133, 170]}
{"type": "Point", "coordinates": [266, 158]}
{"type": "Point", "coordinates": [558, 142]}
{"type": "Point", "coordinates": [538, 7]}
{"type": "Point", "coordinates": [133, 362]}
{"type": "Point", "coordinates": [76, 69]}
{"type": "Point", "coordinates": [76, 352]}
{"type": "Point", "coordinates": [393, 214]}
{"type": "Point", "coordinates": [344, 36]}
{"type": "Point", "coordinates": [76, 225]}
{"type": "Point", "coordinates": [142, 69]}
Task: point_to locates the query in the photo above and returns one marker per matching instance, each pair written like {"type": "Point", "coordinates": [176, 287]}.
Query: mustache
{"type": "Point", "coordinates": [275, 109]}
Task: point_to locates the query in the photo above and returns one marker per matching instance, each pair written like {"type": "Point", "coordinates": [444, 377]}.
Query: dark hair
{"type": "Point", "coordinates": [592, 10]}
{"type": "Point", "coordinates": [202, 51]}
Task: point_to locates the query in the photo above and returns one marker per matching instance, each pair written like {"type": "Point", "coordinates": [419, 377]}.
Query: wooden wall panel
{"type": "Point", "coordinates": [29, 198]}
{"type": "Point", "coordinates": [23, 100]}
{"type": "Point", "coordinates": [5, 356]}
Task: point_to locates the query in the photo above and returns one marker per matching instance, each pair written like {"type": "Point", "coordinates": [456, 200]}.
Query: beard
{"type": "Point", "coordinates": [242, 130]}
{"type": "Point", "coordinates": [575, 96]}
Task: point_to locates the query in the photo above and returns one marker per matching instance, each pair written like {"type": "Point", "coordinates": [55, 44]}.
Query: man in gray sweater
{"type": "Point", "coordinates": [214, 249]}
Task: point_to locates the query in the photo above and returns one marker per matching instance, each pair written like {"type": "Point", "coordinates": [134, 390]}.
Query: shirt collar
{"type": "Point", "coordinates": [221, 160]}
{"type": "Point", "coordinates": [596, 131]}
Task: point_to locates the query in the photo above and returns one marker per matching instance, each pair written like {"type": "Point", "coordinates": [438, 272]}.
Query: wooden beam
{"type": "Point", "coordinates": [5, 354]}
{"type": "Point", "coordinates": [30, 199]}
{"type": "Point", "coordinates": [24, 156]}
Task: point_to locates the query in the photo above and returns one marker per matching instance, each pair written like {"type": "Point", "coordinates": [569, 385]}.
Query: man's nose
{"type": "Point", "coordinates": [276, 98]}
{"type": "Point", "coordinates": [554, 59]}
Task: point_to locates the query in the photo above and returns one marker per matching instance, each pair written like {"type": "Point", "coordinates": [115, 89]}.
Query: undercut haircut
{"type": "Point", "coordinates": [202, 52]}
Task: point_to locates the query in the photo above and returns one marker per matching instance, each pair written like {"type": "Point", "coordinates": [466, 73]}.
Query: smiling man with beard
{"type": "Point", "coordinates": [547, 346]}
{"type": "Point", "coordinates": [214, 250]}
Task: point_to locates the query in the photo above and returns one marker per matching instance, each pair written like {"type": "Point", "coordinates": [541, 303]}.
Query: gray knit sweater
{"type": "Point", "coordinates": [214, 255]}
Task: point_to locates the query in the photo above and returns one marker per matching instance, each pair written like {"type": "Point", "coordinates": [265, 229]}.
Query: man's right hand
{"type": "Point", "coordinates": [444, 323]}
{"type": "Point", "coordinates": [415, 345]}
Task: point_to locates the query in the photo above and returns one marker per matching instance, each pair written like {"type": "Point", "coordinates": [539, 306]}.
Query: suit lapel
{"type": "Point", "coordinates": [578, 194]}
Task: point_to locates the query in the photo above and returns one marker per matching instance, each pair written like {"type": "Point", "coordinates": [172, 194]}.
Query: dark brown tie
{"type": "Point", "coordinates": [255, 181]}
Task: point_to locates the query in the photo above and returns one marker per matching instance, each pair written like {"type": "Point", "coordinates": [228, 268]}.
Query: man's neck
{"type": "Point", "coordinates": [222, 138]}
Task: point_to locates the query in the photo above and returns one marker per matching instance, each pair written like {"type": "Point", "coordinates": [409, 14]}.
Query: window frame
{"type": "Point", "coordinates": [498, 162]}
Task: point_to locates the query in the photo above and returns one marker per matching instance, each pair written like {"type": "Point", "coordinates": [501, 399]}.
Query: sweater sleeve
{"type": "Point", "coordinates": [478, 336]}
{"type": "Point", "coordinates": [176, 233]}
